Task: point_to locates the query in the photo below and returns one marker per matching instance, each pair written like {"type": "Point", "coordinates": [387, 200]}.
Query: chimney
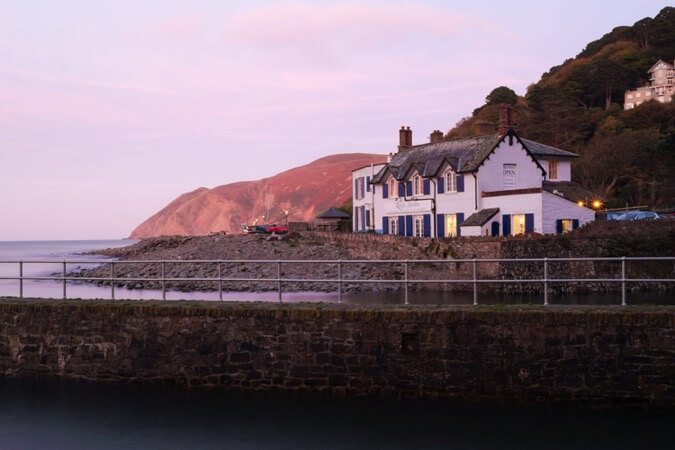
{"type": "Point", "coordinates": [436, 136]}
{"type": "Point", "coordinates": [404, 138]}
{"type": "Point", "coordinates": [505, 120]}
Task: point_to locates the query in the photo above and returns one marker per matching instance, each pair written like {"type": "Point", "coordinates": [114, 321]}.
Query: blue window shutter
{"type": "Point", "coordinates": [363, 218]}
{"type": "Point", "coordinates": [460, 183]}
{"type": "Point", "coordinates": [401, 225]}
{"type": "Point", "coordinates": [367, 218]}
{"type": "Point", "coordinates": [356, 219]}
{"type": "Point", "coordinates": [495, 228]}
{"type": "Point", "coordinates": [506, 224]}
{"type": "Point", "coordinates": [427, 187]}
{"type": "Point", "coordinates": [385, 225]}
{"type": "Point", "coordinates": [401, 189]}
{"type": "Point", "coordinates": [441, 184]}
{"type": "Point", "coordinates": [529, 223]}
{"type": "Point", "coordinates": [385, 191]}
{"type": "Point", "coordinates": [368, 184]}
{"type": "Point", "coordinates": [373, 189]}
{"type": "Point", "coordinates": [440, 224]}
{"type": "Point", "coordinates": [558, 226]}
{"type": "Point", "coordinates": [409, 188]}
{"type": "Point", "coordinates": [575, 224]}
{"type": "Point", "coordinates": [427, 225]}
{"type": "Point", "coordinates": [363, 191]}
{"type": "Point", "coordinates": [408, 226]}
{"type": "Point", "coordinates": [356, 189]}
{"type": "Point", "coordinates": [460, 219]}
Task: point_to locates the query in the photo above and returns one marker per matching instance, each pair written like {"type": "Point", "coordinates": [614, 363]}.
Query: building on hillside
{"type": "Point", "coordinates": [363, 197]}
{"type": "Point", "coordinates": [498, 184]}
{"type": "Point", "coordinates": [332, 220]}
{"type": "Point", "coordinates": [660, 87]}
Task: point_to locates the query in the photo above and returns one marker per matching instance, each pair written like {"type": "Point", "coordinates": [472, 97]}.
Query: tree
{"type": "Point", "coordinates": [502, 94]}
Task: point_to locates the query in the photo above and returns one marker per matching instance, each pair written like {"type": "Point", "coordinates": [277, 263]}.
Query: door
{"type": "Point", "coordinates": [451, 225]}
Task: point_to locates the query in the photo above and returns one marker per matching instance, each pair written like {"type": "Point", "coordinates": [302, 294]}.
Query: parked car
{"type": "Point", "coordinates": [639, 215]}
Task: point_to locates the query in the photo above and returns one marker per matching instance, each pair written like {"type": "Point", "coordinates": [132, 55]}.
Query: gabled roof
{"type": "Point", "coordinates": [479, 218]}
{"type": "Point", "coordinates": [668, 65]}
{"type": "Point", "coordinates": [462, 154]}
{"type": "Point", "coordinates": [333, 213]}
{"type": "Point", "coordinates": [543, 150]}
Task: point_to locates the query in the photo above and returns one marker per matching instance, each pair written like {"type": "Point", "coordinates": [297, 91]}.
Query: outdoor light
{"type": "Point", "coordinates": [580, 203]}
{"type": "Point", "coordinates": [596, 204]}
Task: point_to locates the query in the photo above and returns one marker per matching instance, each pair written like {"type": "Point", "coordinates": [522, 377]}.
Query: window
{"type": "Point", "coordinates": [393, 191]}
{"type": "Point", "coordinates": [509, 173]}
{"type": "Point", "coordinates": [451, 225]}
{"type": "Point", "coordinates": [450, 181]}
{"type": "Point", "coordinates": [419, 226]}
{"type": "Point", "coordinates": [416, 185]}
{"type": "Point", "coordinates": [638, 94]}
{"type": "Point", "coordinates": [552, 169]}
{"type": "Point", "coordinates": [393, 225]}
{"type": "Point", "coordinates": [649, 93]}
{"type": "Point", "coordinates": [630, 95]}
{"type": "Point", "coordinates": [518, 224]}
{"type": "Point", "coordinates": [566, 225]}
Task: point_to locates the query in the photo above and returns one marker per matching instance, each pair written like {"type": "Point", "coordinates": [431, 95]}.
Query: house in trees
{"type": "Point", "coordinates": [498, 184]}
{"type": "Point", "coordinates": [660, 87]}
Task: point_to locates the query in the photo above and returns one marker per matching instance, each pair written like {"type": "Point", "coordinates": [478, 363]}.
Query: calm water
{"type": "Point", "coordinates": [74, 251]}
{"type": "Point", "coordinates": [79, 415]}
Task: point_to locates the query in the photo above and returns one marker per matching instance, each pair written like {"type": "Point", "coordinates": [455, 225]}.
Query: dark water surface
{"type": "Point", "coordinates": [70, 415]}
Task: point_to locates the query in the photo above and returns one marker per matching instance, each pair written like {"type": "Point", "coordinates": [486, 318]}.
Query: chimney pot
{"type": "Point", "coordinates": [436, 136]}
{"type": "Point", "coordinates": [404, 138]}
{"type": "Point", "coordinates": [506, 123]}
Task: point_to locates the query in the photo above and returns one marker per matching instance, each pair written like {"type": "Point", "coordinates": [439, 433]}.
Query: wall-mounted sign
{"type": "Point", "coordinates": [400, 207]}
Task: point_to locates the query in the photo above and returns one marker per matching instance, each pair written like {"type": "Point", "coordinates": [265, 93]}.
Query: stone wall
{"type": "Point", "coordinates": [597, 356]}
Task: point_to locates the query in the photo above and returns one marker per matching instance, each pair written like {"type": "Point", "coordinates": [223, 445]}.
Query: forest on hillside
{"type": "Point", "coordinates": [628, 157]}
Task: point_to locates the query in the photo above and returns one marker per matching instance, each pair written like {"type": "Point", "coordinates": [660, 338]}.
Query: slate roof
{"type": "Point", "coordinates": [463, 154]}
{"type": "Point", "coordinates": [538, 149]}
{"type": "Point", "coordinates": [333, 213]}
{"type": "Point", "coordinates": [570, 191]}
{"type": "Point", "coordinates": [480, 218]}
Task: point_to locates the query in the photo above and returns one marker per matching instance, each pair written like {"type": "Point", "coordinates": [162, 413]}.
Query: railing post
{"type": "Point", "coordinates": [279, 278]}
{"type": "Point", "coordinates": [406, 281]}
{"type": "Point", "coordinates": [545, 281]}
{"type": "Point", "coordinates": [112, 280]}
{"type": "Point", "coordinates": [220, 281]}
{"type": "Point", "coordinates": [163, 282]}
{"type": "Point", "coordinates": [623, 281]}
{"type": "Point", "coordinates": [20, 279]}
{"type": "Point", "coordinates": [339, 281]}
{"type": "Point", "coordinates": [475, 283]}
{"type": "Point", "coordinates": [64, 280]}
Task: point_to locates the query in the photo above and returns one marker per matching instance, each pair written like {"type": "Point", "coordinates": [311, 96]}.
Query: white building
{"type": "Point", "coordinates": [659, 88]}
{"type": "Point", "coordinates": [364, 197]}
{"type": "Point", "coordinates": [498, 184]}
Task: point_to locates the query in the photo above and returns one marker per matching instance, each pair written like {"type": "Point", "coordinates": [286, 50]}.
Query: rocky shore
{"type": "Point", "coordinates": [193, 258]}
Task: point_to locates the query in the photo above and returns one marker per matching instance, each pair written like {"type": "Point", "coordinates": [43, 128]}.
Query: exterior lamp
{"type": "Point", "coordinates": [596, 204]}
{"type": "Point", "coordinates": [580, 203]}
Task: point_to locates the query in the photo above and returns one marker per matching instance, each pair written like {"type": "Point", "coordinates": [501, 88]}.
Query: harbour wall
{"type": "Point", "coordinates": [608, 356]}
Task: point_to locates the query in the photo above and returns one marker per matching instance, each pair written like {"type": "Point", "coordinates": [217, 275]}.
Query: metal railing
{"type": "Point", "coordinates": [340, 280]}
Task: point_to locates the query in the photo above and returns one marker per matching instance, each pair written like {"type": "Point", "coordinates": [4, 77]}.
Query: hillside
{"type": "Point", "coordinates": [626, 156]}
{"type": "Point", "coordinates": [303, 191]}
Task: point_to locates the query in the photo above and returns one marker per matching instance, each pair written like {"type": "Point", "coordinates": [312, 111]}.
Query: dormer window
{"type": "Point", "coordinates": [417, 185]}
{"type": "Point", "coordinates": [450, 181]}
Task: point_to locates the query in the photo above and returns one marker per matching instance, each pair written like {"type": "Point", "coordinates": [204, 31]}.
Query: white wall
{"type": "Point", "coordinates": [516, 204]}
{"type": "Point", "coordinates": [490, 174]}
{"type": "Point", "coordinates": [369, 198]}
{"type": "Point", "coordinates": [556, 207]}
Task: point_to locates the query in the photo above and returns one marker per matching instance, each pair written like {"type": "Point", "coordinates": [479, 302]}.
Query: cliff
{"type": "Point", "coordinates": [303, 191]}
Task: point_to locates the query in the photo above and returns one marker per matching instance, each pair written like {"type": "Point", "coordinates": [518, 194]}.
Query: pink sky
{"type": "Point", "coordinates": [109, 110]}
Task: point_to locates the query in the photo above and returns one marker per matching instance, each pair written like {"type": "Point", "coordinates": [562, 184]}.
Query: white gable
{"type": "Point", "coordinates": [496, 173]}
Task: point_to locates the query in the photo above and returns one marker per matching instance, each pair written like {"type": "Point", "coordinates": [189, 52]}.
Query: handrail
{"type": "Point", "coordinates": [64, 277]}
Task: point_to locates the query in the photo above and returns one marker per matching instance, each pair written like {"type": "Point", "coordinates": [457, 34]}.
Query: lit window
{"type": "Point", "coordinates": [566, 225]}
{"type": "Point", "coordinates": [393, 225]}
{"type": "Point", "coordinates": [450, 181]}
{"type": "Point", "coordinates": [416, 185]}
{"type": "Point", "coordinates": [509, 173]}
{"type": "Point", "coordinates": [637, 95]}
{"type": "Point", "coordinates": [518, 224]}
{"type": "Point", "coordinates": [552, 169]}
{"type": "Point", "coordinates": [419, 226]}
{"type": "Point", "coordinates": [451, 225]}
{"type": "Point", "coordinates": [630, 95]}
